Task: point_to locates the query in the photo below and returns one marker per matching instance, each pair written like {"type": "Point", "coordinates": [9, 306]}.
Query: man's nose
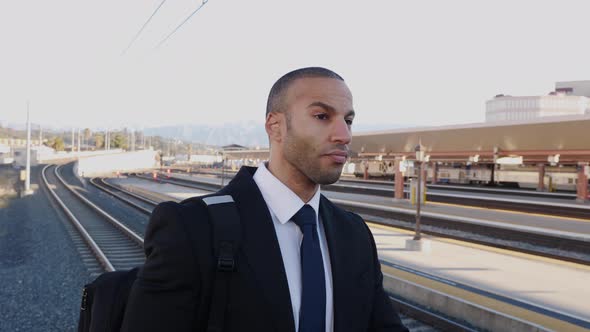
{"type": "Point", "coordinates": [341, 133]}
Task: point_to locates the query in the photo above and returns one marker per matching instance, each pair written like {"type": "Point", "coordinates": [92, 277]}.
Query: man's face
{"type": "Point", "coordinates": [319, 115]}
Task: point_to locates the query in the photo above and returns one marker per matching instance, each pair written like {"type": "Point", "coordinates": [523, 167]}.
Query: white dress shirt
{"type": "Point", "coordinates": [282, 204]}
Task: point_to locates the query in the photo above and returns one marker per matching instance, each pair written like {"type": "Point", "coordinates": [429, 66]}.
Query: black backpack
{"type": "Point", "coordinates": [104, 300]}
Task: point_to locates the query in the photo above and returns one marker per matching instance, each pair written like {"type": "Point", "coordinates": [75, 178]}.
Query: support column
{"type": "Point", "coordinates": [582, 183]}
{"type": "Point", "coordinates": [434, 172]}
{"type": "Point", "coordinates": [366, 170]}
{"type": "Point", "coordinates": [399, 180]}
{"type": "Point", "coordinates": [541, 182]}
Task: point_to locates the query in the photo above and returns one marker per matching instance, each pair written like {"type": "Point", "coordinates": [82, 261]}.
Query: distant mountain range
{"type": "Point", "coordinates": [250, 133]}
{"type": "Point", "coordinates": [246, 133]}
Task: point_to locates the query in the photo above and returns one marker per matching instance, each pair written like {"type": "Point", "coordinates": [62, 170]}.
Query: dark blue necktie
{"type": "Point", "coordinates": [312, 315]}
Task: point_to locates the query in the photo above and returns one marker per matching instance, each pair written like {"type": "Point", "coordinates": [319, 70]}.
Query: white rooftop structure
{"type": "Point", "coordinates": [508, 108]}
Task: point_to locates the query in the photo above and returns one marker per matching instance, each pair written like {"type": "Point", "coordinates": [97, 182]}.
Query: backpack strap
{"type": "Point", "coordinates": [226, 241]}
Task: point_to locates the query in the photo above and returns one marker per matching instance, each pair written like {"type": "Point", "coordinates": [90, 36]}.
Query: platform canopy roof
{"type": "Point", "coordinates": [535, 141]}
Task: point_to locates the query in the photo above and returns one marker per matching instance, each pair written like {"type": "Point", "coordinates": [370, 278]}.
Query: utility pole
{"type": "Point", "coordinates": [73, 141]}
{"type": "Point", "coordinates": [79, 144]}
{"type": "Point", "coordinates": [28, 163]}
{"type": "Point", "coordinates": [40, 135]}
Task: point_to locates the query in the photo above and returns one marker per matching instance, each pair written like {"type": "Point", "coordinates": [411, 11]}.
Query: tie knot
{"type": "Point", "coordinates": [305, 216]}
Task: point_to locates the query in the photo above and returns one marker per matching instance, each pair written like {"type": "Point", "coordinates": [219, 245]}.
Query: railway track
{"type": "Point", "coordinates": [111, 242]}
{"type": "Point", "coordinates": [385, 188]}
{"type": "Point", "coordinates": [446, 226]}
{"type": "Point", "coordinates": [563, 206]}
{"type": "Point", "coordinates": [410, 312]}
{"type": "Point", "coordinates": [138, 202]}
{"type": "Point", "coordinates": [567, 208]}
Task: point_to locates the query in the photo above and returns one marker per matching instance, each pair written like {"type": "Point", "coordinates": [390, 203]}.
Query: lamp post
{"type": "Point", "coordinates": [419, 159]}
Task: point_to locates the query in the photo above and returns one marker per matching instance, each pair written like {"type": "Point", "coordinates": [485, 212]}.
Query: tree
{"type": "Point", "coordinates": [57, 143]}
{"type": "Point", "coordinates": [99, 141]}
{"type": "Point", "coordinates": [120, 141]}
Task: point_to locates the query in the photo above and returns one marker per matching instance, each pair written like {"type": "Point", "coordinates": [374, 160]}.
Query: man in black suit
{"type": "Point", "coordinates": [304, 264]}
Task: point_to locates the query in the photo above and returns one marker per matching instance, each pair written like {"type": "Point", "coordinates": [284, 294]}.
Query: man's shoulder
{"type": "Point", "coordinates": [178, 208]}
{"type": "Point", "coordinates": [188, 219]}
{"type": "Point", "coordinates": [187, 208]}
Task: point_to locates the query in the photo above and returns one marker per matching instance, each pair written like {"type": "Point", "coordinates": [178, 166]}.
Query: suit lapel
{"type": "Point", "coordinates": [261, 248]}
{"type": "Point", "coordinates": [335, 229]}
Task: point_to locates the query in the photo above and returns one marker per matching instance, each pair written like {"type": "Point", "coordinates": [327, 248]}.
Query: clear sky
{"type": "Point", "coordinates": [406, 62]}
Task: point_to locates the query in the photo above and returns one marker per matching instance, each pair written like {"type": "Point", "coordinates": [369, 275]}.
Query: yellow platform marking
{"type": "Point", "coordinates": [509, 211]}
{"type": "Point", "coordinates": [509, 309]}
{"type": "Point", "coordinates": [488, 248]}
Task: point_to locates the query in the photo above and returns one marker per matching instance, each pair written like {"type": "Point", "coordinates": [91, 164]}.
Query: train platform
{"type": "Point", "coordinates": [545, 292]}
{"type": "Point", "coordinates": [167, 190]}
{"type": "Point", "coordinates": [485, 287]}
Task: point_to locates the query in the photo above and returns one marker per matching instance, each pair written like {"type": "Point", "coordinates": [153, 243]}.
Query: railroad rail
{"type": "Point", "coordinates": [390, 184]}
{"type": "Point", "coordinates": [560, 209]}
{"type": "Point", "coordinates": [565, 207]}
{"type": "Point", "coordinates": [115, 246]}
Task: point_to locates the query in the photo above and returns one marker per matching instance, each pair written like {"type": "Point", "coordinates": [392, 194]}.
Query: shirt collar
{"type": "Point", "coordinates": [280, 199]}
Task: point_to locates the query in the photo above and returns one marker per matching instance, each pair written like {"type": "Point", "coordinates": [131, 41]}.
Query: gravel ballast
{"type": "Point", "coordinates": [41, 271]}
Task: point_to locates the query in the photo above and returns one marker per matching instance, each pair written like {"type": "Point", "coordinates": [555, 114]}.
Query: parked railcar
{"type": "Point", "coordinates": [517, 176]}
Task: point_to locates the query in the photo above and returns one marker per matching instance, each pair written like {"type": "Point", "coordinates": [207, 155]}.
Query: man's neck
{"type": "Point", "coordinates": [291, 177]}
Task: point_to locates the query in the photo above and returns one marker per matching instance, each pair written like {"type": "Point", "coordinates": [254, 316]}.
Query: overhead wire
{"type": "Point", "coordinates": [181, 24]}
{"type": "Point", "coordinates": [142, 28]}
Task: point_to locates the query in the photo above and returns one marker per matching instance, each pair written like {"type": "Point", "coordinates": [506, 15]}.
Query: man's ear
{"type": "Point", "coordinates": [274, 126]}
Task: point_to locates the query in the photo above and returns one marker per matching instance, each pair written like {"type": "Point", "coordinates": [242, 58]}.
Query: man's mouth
{"type": "Point", "coordinates": [338, 156]}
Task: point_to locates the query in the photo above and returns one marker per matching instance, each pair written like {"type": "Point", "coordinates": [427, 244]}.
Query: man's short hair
{"type": "Point", "coordinates": [275, 102]}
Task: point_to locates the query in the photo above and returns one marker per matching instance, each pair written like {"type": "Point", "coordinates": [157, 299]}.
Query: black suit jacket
{"type": "Point", "coordinates": [173, 289]}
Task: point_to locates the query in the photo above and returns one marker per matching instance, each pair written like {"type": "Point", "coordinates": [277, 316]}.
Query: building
{"type": "Point", "coordinates": [508, 108]}
{"type": "Point", "coordinates": [569, 98]}
{"type": "Point", "coordinates": [573, 88]}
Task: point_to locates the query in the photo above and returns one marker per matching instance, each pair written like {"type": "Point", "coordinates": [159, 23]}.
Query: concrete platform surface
{"type": "Point", "coordinates": [518, 279]}
{"type": "Point", "coordinates": [175, 192]}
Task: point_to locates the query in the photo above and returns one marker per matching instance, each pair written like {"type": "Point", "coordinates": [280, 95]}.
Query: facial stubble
{"type": "Point", "coordinates": [304, 155]}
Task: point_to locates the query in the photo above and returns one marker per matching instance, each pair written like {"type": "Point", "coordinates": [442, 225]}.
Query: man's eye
{"type": "Point", "coordinates": [349, 122]}
{"type": "Point", "coordinates": [321, 116]}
